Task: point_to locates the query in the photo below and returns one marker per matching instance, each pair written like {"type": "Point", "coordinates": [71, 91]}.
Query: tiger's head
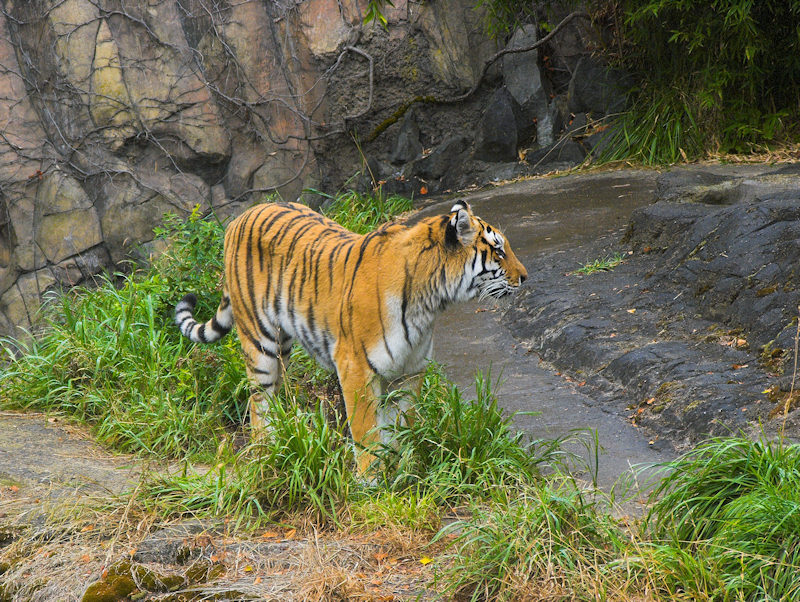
{"type": "Point", "coordinates": [490, 267]}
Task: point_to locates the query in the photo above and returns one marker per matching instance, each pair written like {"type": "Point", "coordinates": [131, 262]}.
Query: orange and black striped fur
{"type": "Point", "coordinates": [361, 305]}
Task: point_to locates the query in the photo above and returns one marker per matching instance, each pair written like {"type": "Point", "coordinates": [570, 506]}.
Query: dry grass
{"type": "Point", "coordinates": [61, 547]}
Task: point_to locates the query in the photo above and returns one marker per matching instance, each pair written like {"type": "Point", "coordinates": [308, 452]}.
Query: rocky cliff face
{"type": "Point", "coordinates": [113, 113]}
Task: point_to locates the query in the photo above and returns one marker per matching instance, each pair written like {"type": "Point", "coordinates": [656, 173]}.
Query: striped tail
{"type": "Point", "coordinates": [205, 332]}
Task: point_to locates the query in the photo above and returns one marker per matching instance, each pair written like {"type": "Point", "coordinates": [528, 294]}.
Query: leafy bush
{"type": "Point", "coordinates": [722, 74]}
{"type": "Point", "coordinates": [111, 356]}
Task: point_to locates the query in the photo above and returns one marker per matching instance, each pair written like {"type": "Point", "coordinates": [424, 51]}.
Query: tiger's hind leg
{"type": "Point", "coordinates": [265, 362]}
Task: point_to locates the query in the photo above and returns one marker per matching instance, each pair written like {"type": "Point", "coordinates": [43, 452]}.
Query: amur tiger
{"type": "Point", "coordinates": [363, 306]}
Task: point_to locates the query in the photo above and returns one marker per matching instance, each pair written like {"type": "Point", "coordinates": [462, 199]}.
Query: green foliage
{"type": "Point", "coordinates": [374, 12]}
{"type": "Point", "coordinates": [601, 265]}
{"type": "Point", "coordinates": [363, 213]}
{"type": "Point", "coordinates": [380, 508]}
{"type": "Point", "coordinates": [301, 463]}
{"type": "Point", "coordinates": [720, 75]}
{"type": "Point", "coordinates": [551, 534]}
{"type": "Point", "coordinates": [111, 356]}
{"type": "Point", "coordinates": [504, 16]}
{"type": "Point", "coordinates": [453, 448]}
{"type": "Point", "coordinates": [726, 518]}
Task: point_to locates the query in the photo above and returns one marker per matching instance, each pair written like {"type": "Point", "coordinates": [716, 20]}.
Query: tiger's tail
{"type": "Point", "coordinates": [204, 332]}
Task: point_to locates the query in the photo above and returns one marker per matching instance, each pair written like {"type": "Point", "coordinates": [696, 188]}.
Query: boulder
{"type": "Point", "coordinates": [597, 89]}
{"type": "Point", "coordinates": [497, 136]}
{"type": "Point", "coordinates": [565, 152]}
{"type": "Point", "coordinates": [407, 147]}
{"type": "Point", "coordinates": [524, 82]}
{"type": "Point", "coordinates": [19, 304]}
{"type": "Point", "coordinates": [444, 158]}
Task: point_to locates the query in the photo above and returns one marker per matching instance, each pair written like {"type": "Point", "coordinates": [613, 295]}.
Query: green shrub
{"type": "Point", "coordinates": [111, 356]}
{"type": "Point", "coordinates": [723, 74]}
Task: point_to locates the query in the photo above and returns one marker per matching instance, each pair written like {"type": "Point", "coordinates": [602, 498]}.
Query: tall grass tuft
{"type": "Point", "coordinates": [551, 541]}
{"type": "Point", "coordinates": [734, 503]}
{"type": "Point", "coordinates": [300, 464]}
{"type": "Point", "coordinates": [363, 213]}
{"type": "Point", "coordinates": [457, 448]}
{"type": "Point", "coordinates": [661, 127]}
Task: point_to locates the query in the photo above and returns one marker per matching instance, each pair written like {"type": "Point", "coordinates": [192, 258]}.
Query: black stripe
{"type": "Point", "coordinates": [298, 236]}
{"type": "Point", "coordinates": [380, 319]}
{"type": "Point", "coordinates": [404, 306]}
{"type": "Point", "coordinates": [217, 327]}
{"type": "Point", "coordinates": [369, 362]}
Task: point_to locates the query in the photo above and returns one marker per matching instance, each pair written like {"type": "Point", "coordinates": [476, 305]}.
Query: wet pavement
{"type": "Point", "coordinates": [545, 217]}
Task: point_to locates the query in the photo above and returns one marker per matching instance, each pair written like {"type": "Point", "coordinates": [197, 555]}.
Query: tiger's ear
{"type": "Point", "coordinates": [461, 204]}
{"type": "Point", "coordinates": [459, 229]}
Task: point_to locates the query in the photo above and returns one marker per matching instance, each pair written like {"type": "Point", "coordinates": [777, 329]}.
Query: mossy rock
{"type": "Point", "coordinates": [203, 572]}
{"type": "Point", "coordinates": [109, 589]}
{"type": "Point", "coordinates": [156, 582]}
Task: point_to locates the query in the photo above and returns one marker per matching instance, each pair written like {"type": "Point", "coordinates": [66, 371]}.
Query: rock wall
{"type": "Point", "coordinates": [113, 113]}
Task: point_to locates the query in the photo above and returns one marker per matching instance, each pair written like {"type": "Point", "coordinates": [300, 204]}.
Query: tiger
{"type": "Point", "coordinates": [361, 305]}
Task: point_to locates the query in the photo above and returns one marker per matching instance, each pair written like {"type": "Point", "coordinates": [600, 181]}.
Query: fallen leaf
{"type": "Point", "coordinates": [14, 489]}
{"type": "Point", "coordinates": [86, 558]}
{"type": "Point", "coordinates": [650, 401]}
{"type": "Point", "coordinates": [87, 528]}
{"type": "Point", "coordinates": [270, 534]}
{"type": "Point", "coordinates": [381, 556]}
{"type": "Point", "coordinates": [290, 534]}
{"type": "Point", "coordinates": [257, 580]}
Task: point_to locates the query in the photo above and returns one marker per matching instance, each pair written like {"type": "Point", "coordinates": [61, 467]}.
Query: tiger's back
{"type": "Point", "coordinates": [361, 305]}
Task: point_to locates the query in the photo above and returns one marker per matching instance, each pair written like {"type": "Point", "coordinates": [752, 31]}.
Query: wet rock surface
{"type": "Point", "coordinates": [693, 333]}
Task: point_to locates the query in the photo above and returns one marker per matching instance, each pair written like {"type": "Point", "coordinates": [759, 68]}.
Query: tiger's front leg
{"type": "Point", "coordinates": [361, 391]}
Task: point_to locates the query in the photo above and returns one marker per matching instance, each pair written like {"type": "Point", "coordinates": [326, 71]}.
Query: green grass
{"type": "Point", "coordinates": [456, 448]}
{"type": "Point", "coordinates": [110, 356]}
{"type": "Point", "coordinates": [601, 265]}
{"type": "Point", "coordinates": [547, 540]}
{"type": "Point", "coordinates": [302, 464]}
{"type": "Point", "coordinates": [735, 505]}
{"type": "Point", "coordinates": [363, 213]}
